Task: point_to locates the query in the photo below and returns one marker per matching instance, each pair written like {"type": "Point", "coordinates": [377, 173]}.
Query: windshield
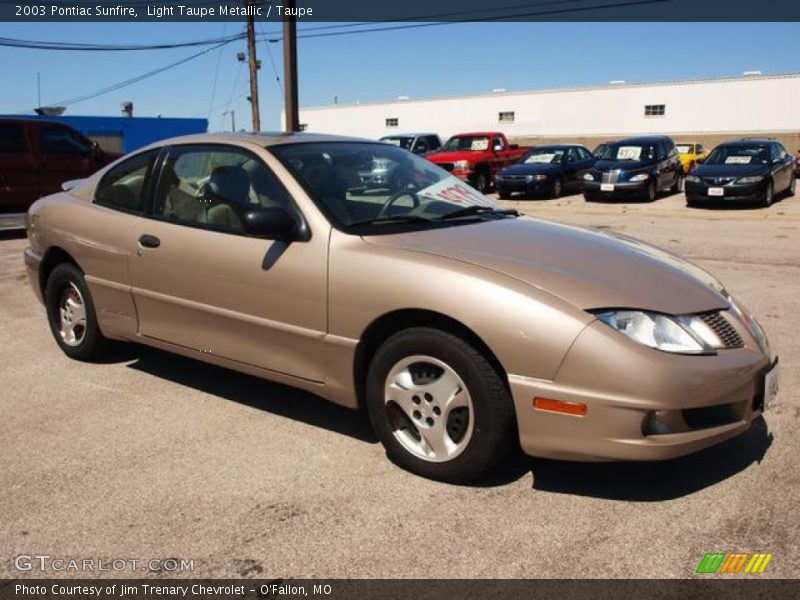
{"type": "Point", "coordinates": [467, 142]}
{"type": "Point", "coordinates": [543, 156]}
{"type": "Point", "coordinates": [684, 148]}
{"type": "Point", "coordinates": [627, 152]}
{"type": "Point", "coordinates": [739, 155]}
{"type": "Point", "coordinates": [356, 182]}
{"type": "Point", "coordinates": [400, 141]}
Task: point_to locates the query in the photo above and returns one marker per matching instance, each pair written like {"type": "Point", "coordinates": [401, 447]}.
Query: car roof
{"type": "Point", "coordinates": [644, 139]}
{"type": "Point", "coordinates": [32, 119]}
{"type": "Point", "coordinates": [753, 142]}
{"type": "Point", "coordinates": [476, 133]}
{"type": "Point", "coordinates": [411, 134]}
{"type": "Point", "coordinates": [564, 146]}
{"type": "Point", "coordinates": [262, 138]}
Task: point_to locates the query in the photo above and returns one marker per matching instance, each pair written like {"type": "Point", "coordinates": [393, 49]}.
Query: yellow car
{"type": "Point", "coordinates": [690, 154]}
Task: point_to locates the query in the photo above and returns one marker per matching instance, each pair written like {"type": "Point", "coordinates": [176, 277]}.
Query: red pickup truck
{"type": "Point", "coordinates": [476, 157]}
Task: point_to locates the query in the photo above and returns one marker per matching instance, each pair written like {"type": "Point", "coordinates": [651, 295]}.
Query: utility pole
{"type": "Point", "coordinates": [233, 118]}
{"type": "Point", "coordinates": [251, 48]}
{"type": "Point", "coordinates": [290, 66]}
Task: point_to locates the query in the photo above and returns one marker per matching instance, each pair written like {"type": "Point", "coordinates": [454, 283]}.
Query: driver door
{"type": "Point", "coordinates": [200, 282]}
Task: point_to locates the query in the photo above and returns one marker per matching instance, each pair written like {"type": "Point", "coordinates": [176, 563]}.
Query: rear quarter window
{"type": "Point", "coordinates": [124, 187]}
{"type": "Point", "coordinates": [12, 139]}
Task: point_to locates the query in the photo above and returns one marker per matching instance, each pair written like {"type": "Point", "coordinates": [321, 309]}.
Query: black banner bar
{"type": "Point", "coordinates": [367, 11]}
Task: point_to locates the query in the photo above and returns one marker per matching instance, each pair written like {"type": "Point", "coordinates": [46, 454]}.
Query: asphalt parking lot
{"type": "Point", "coordinates": [153, 456]}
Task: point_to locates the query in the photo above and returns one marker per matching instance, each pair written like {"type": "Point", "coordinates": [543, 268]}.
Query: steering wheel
{"type": "Point", "coordinates": [396, 196]}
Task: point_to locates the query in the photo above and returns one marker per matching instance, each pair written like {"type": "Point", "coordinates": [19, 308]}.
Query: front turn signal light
{"type": "Point", "coordinates": [567, 408]}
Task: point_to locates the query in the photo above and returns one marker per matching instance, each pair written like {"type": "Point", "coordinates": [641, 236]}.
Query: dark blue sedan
{"type": "Point", "coordinates": [546, 170]}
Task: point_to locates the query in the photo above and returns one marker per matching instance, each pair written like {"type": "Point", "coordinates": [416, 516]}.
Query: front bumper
{"type": "Point", "coordinates": [521, 185]}
{"type": "Point", "coordinates": [643, 404]}
{"type": "Point", "coordinates": [754, 192]}
{"type": "Point", "coordinates": [621, 189]}
{"type": "Point", "coordinates": [32, 262]}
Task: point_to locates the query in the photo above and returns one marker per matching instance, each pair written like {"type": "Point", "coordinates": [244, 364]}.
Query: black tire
{"type": "Point", "coordinates": [92, 344]}
{"type": "Point", "coordinates": [769, 195]}
{"type": "Point", "coordinates": [503, 195]}
{"type": "Point", "coordinates": [677, 187]}
{"type": "Point", "coordinates": [790, 191]}
{"type": "Point", "coordinates": [558, 189]}
{"type": "Point", "coordinates": [492, 415]}
{"type": "Point", "coordinates": [480, 181]}
{"type": "Point", "coordinates": [591, 197]}
{"type": "Point", "coordinates": [651, 192]}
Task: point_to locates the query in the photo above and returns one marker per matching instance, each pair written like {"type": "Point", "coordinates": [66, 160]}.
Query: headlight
{"type": "Point", "coordinates": [531, 178]}
{"type": "Point", "coordinates": [692, 179]}
{"type": "Point", "coordinates": [461, 165]}
{"type": "Point", "coordinates": [682, 335]}
{"type": "Point", "coordinates": [588, 177]}
{"type": "Point", "coordinates": [750, 323]}
{"type": "Point", "coordinates": [754, 179]}
{"type": "Point", "coordinates": [640, 177]}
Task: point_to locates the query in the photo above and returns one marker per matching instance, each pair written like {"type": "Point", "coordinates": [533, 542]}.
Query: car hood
{"type": "Point", "coordinates": [586, 268]}
{"type": "Point", "coordinates": [729, 170]}
{"type": "Point", "coordinates": [531, 169]}
{"type": "Point", "coordinates": [624, 165]}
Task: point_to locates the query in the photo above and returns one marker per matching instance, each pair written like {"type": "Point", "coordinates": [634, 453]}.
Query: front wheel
{"type": "Point", "coordinates": [677, 187]}
{"type": "Point", "coordinates": [438, 406]}
{"type": "Point", "coordinates": [503, 195]}
{"type": "Point", "coordinates": [71, 314]}
{"type": "Point", "coordinates": [792, 187]}
{"type": "Point", "coordinates": [769, 195]}
{"type": "Point", "coordinates": [651, 192]}
{"type": "Point", "coordinates": [558, 189]}
{"type": "Point", "coordinates": [480, 182]}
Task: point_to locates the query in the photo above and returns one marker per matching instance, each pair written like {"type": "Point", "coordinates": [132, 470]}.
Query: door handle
{"type": "Point", "coordinates": [149, 241]}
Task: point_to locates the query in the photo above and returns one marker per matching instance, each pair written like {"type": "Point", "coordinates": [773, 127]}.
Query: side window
{"type": "Point", "coordinates": [498, 141]}
{"type": "Point", "coordinates": [699, 149]}
{"type": "Point", "coordinates": [781, 151]}
{"type": "Point", "coordinates": [12, 139]}
{"type": "Point", "coordinates": [215, 186]}
{"type": "Point", "coordinates": [433, 142]}
{"type": "Point", "coordinates": [572, 155]}
{"type": "Point", "coordinates": [60, 141]}
{"type": "Point", "coordinates": [123, 187]}
{"type": "Point", "coordinates": [584, 154]}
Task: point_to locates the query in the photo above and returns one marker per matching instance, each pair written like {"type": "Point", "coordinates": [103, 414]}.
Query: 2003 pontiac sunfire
{"type": "Point", "coordinates": [458, 325]}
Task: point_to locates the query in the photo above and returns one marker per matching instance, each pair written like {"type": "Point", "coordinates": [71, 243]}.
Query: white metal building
{"type": "Point", "coordinates": [750, 104]}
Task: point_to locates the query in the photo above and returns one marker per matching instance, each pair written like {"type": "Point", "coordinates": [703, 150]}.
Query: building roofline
{"type": "Point", "coordinates": [606, 86]}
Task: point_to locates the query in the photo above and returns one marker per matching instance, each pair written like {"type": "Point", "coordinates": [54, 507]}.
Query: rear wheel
{"type": "Point", "coordinates": [71, 314]}
{"type": "Point", "coordinates": [504, 195]}
{"type": "Point", "coordinates": [438, 406]}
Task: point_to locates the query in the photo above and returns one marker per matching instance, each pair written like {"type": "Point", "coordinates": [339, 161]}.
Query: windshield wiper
{"type": "Point", "coordinates": [479, 210]}
{"type": "Point", "coordinates": [388, 219]}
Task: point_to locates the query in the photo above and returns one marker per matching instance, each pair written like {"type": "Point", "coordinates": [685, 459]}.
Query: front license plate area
{"type": "Point", "coordinates": [716, 191]}
{"type": "Point", "coordinates": [606, 187]}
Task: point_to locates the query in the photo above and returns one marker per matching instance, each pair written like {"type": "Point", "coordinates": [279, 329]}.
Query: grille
{"type": "Point", "coordinates": [446, 166]}
{"type": "Point", "coordinates": [723, 328]}
{"type": "Point", "coordinates": [719, 180]}
{"type": "Point", "coordinates": [710, 416]}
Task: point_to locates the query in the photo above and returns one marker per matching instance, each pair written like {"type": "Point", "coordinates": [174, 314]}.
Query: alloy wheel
{"type": "Point", "coordinates": [429, 408]}
{"type": "Point", "coordinates": [72, 315]}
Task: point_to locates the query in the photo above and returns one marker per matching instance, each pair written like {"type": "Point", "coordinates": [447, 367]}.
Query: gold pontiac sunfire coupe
{"type": "Point", "coordinates": [461, 327]}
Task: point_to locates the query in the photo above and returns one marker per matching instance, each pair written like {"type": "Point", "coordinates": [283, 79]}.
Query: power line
{"type": "Point", "coordinates": [136, 79]}
{"type": "Point", "coordinates": [216, 75]}
{"type": "Point", "coordinates": [78, 47]}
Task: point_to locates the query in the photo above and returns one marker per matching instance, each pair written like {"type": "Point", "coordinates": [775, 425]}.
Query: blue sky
{"type": "Point", "coordinates": [429, 61]}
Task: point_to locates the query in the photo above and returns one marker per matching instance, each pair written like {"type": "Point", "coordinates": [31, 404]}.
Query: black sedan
{"type": "Point", "coordinates": [743, 171]}
{"type": "Point", "coordinates": [545, 170]}
{"type": "Point", "coordinates": [637, 167]}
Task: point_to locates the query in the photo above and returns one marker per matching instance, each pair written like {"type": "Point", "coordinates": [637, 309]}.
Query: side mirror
{"type": "Point", "coordinates": [274, 223]}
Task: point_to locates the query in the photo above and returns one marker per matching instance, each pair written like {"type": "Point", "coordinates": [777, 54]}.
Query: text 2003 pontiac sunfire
{"type": "Point", "coordinates": [460, 326]}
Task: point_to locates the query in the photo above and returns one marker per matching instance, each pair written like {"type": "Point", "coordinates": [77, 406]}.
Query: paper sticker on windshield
{"type": "Point", "coordinates": [683, 149]}
{"type": "Point", "coordinates": [481, 144]}
{"type": "Point", "coordinates": [454, 191]}
{"type": "Point", "coordinates": [629, 152]}
{"type": "Point", "coordinates": [538, 159]}
{"type": "Point", "coordinates": [738, 160]}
